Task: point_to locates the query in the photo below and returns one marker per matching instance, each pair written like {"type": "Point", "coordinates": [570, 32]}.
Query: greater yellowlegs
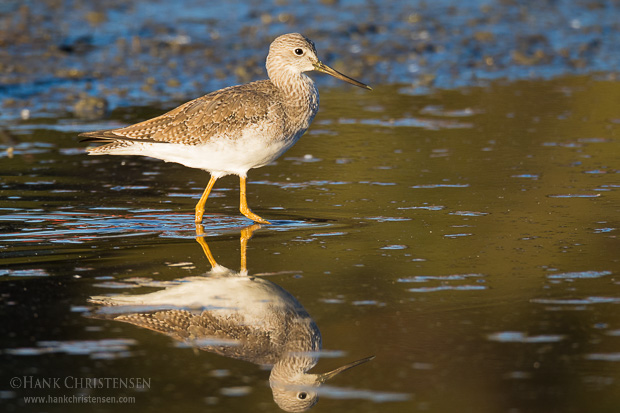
{"type": "Point", "coordinates": [235, 129]}
{"type": "Point", "coordinates": [239, 316]}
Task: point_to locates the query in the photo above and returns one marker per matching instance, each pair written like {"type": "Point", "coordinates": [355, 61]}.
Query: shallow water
{"type": "Point", "coordinates": [467, 238]}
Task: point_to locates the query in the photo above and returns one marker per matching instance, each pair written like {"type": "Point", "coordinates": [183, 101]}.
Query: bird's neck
{"type": "Point", "coordinates": [296, 87]}
{"type": "Point", "coordinates": [301, 97]}
{"type": "Point", "coordinates": [302, 339]}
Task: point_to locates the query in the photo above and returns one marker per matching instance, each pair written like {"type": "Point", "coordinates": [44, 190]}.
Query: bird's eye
{"type": "Point", "coordinates": [299, 52]}
{"type": "Point", "coordinates": [302, 395]}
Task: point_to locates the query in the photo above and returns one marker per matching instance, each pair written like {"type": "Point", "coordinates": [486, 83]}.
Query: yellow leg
{"type": "Point", "coordinates": [243, 207]}
{"type": "Point", "coordinates": [205, 248]}
{"type": "Point", "coordinates": [200, 206]}
{"type": "Point", "coordinates": [246, 234]}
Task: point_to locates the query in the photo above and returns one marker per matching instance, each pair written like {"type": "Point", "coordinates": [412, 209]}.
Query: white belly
{"type": "Point", "coordinates": [220, 156]}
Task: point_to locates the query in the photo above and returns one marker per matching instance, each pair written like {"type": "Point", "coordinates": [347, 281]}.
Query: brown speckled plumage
{"type": "Point", "coordinates": [232, 130]}
{"type": "Point", "coordinates": [284, 326]}
{"type": "Point", "coordinates": [219, 114]}
{"type": "Point", "coordinates": [234, 315]}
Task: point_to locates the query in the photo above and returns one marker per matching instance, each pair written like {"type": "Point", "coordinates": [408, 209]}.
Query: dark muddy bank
{"type": "Point", "coordinates": [86, 58]}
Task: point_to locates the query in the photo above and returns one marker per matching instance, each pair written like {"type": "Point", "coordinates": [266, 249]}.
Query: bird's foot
{"type": "Point", "coordinates": [248, 213]}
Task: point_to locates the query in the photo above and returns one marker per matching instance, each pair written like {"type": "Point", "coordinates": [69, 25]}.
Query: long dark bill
{"type": "Point", "coordinates": [322, 378]}
{"type": "Point", "coordinates": [323, 68]}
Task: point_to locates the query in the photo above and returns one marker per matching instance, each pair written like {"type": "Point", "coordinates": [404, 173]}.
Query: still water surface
{"type": "Point", "coordinates": [465, 238]}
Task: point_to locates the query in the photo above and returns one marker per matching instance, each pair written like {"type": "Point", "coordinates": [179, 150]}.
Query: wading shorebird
{"type": "Point", "coordinates": [235, 129]}
{"type": "Point", "coordinates": [239, 316]}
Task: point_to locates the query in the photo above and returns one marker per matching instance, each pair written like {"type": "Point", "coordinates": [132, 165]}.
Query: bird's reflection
{"type": "Point", "coordinates": [235, 315]}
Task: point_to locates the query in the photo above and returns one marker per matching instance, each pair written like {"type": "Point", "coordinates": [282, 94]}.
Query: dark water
{"type": "Point", "coordinates": [467, 238]}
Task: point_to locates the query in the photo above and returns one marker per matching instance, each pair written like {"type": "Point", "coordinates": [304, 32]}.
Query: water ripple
{"type": "Point", "coordinates": [429, 124]}
{"type": "Point", "coordinates": [96, 349]}
{"type": "Point", "coordinates": [425, 278]}
{"type": "Point", "coordinates": [603, 356]}
{"type": "Point", "coordinates": [431, 186]}
{"type": "Point", "coordinates": [574, 195]}
{"type": "Point", "coordinates": [31, 272]}
{"type": "Point", "coordinates": [582, 274]}
{"type": "Point", "coordinates": [469, 213]}
{"type": "Point", "coordinates": [520, 337]}
{"type": "Point", "coordinates": [78, 227]}
{"type": "Point", "coordinates": [333, 392]}
{"type": "Point", "coordinates": [577, 301]}
{"type": "Point", "coordinates": [447, 287]}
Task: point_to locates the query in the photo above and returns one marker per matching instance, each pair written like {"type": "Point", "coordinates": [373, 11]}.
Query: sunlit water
{"type": "Point", "coordinates": [466, 238]}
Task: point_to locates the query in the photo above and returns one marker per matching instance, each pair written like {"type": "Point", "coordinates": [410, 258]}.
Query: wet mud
{"type": "Point", "coordinates": [86, 58]}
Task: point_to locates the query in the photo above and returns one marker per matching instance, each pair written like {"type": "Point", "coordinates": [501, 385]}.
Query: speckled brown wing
{"type": "Point", "coordinates": [253, 344]}
{"type": "Point", "coordinates": [250, 344]}
{"type": "Point", "coordinates": [174, 323]}
{"type": "Point", "coordinates": [139, 131]}
{"type": "Point", "coordinates": [221, 113]}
